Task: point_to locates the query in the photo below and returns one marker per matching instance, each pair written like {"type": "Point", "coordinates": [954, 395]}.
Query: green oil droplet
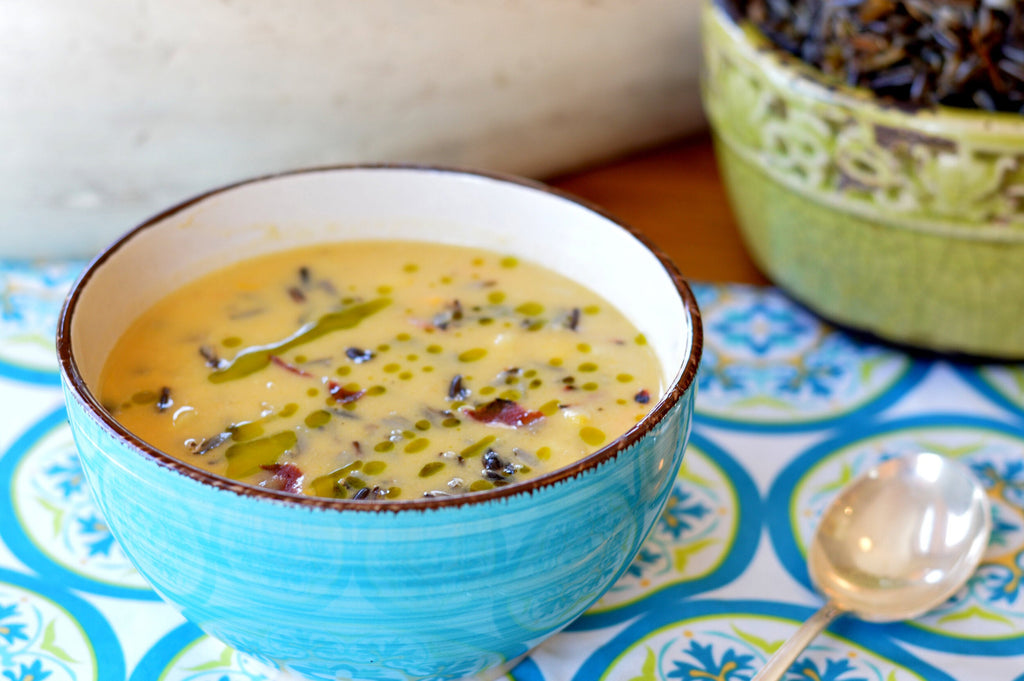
{"type": "Point", "coordinates": [391, 368]}
{"type": "Point", "coordinates": [480, 486]}
{"type": "Point", "coordinates": [344, 370]}
{"type": "Point", "coordinates": [246, 458]}
{"type": "Point", "coordinates": [427, 369]}
{"type": "Point", "coordinates": [592, 436]}
{"type": "Point", "coordinates": [555, 361]}
{"type": "Point", "coordinates": [231, 342]}
{"type": "Point", "coordinates": [312, 392]}
{"type": "Point", "coordinates": [300, 359]}
{"type": "Point", "coordinates": [509, 261]}
{"type": "Point", "coordinates": [384, 290]}
{"type": "Point", "coordinates": [536, 383]}
{"type": "Point", "coordinates": [624, 378]}
{"type": "Point", "coordinates": [587, 367]}
{"type": "Point", "coordinates": [589, 385]}
{"type": "Point", "coordinates": [495, 297]}
{"type": "Point", "coordinates": [329, 485]}
{"type": "Point", "coordinates": [145, 397]}
{"type": "Point", "coordinates": [640, 339]}
{"type": "Point", "coordinates": [412, 358]}
{"type": "Point", "coordinates": [434, 349]}
{"type": "Point", "coordinates": [405, 375]}
{"type": "Point", "coordinates": [245, 431]}
{"type": "Point", "coordinates": [549, 408]}
{"type": "Point", "coordinates": [423, 424]}
{"type": "Point", "coordinates": [512, 395]}
{"type": "Point", "coordinates": [385, 446]}
{"type": "Point", "coordinates": [403, 337]}
{"type": "Point", "coordinates": [472, 355]}
{"type": "Point", "coordinates": [450, 422]}
{"type": "Point", "coordinates": [318, 419]}
{"type": "Point", "coordinates": [544, 453]}
{"type": "Point", "coordinates": [410, 267]}
{"type": "Point", "coordinates": [583, 347]}
{"type": "Point", "coordinates": [288, 410]}
{"type": "Point", "coordinates": [374, 467]}
{"type": "Point", "coordinates": [530, 309]}
{"type": "Point", "coordinates": [376, 390]}
{"type": "Point", "coordinates": [487, 390]}
{"type": "Point", "coordinates": [476, 447]}
{"type": "Point", "coordinates": [431, 468]}
{"type": "Point", "coordinates": [485, 321]}
{"type": "Point", "coordinates": [417, 445]}
{"type": "Point", "coordinates": [393, 492]}
{"type": "Point", "coordinates": [354, 482]}
{"type": "Point", "coordinates": [591, 309]}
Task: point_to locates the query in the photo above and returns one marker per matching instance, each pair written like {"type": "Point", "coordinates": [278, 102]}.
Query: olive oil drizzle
{"type": "Point", "coordinates": [257, 357]}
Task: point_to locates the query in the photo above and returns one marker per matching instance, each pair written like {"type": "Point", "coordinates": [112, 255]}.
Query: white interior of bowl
{"type": "Point", "coordinates": [379, 203]}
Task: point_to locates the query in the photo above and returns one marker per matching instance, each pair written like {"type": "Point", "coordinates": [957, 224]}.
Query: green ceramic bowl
{"type": "Point", "coordinates": [905, 224]}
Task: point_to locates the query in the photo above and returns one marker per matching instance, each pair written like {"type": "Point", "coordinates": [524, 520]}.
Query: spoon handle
{"type": "Point", "coordinates": [786, 655]}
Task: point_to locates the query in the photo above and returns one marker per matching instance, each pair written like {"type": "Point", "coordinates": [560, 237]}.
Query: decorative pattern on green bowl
{"type": "Point", "coordinates": [907, 224]}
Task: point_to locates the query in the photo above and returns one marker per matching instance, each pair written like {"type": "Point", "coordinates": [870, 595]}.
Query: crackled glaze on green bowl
{"type": "Point", "coordinates": [905, 224]}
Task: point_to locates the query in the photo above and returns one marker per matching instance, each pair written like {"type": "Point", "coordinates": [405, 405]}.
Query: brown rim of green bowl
{"type": "Point", "coordinates": [680, 385]}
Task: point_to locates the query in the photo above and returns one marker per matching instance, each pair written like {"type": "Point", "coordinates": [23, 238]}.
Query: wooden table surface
{"type": "Point", "coordinates": [673, 195]}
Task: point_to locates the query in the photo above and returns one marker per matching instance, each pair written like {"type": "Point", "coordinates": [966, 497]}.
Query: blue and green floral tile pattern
{"type": "Point", "coordinates": [30, 296]}
{"type": "Point", "coordinates": [788, 410]}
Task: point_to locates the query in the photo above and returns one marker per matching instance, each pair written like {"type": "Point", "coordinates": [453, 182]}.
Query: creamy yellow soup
{"type": "Point", "coordinates": [381, 370]}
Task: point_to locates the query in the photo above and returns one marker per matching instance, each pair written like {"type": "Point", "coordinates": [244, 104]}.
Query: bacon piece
{"type": "Point", "coordinates": [504, 412]}
{"type": "Point", "coordinates": [342, 395]}
{"type": "Point", "coordinates": [287, 477]}
{"type": "Point", "coordinates": [288, 366]}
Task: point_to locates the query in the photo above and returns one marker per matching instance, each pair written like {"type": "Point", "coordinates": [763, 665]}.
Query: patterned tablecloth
{"type": "Point", "coordinates": [788, 410]}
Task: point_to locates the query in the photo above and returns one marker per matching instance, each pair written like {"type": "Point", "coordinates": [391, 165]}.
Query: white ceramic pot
{"type": "Point", "coordinates": [110, 110]}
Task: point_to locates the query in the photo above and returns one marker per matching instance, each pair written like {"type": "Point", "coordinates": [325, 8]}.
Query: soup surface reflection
{"type": "Point", "coordinates": [381, 370]}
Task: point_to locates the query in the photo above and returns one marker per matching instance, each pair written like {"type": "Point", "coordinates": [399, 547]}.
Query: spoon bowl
{"type": "Point", "coordinates": [902, 539]}
{"type": "Point", "coordinates": [894, 544]}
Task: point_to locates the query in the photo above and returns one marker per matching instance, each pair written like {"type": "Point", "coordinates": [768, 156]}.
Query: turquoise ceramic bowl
{"type": "Point", "coordinates": [907, 224]}
{"type": "Point", "coordinates": [417, 589]}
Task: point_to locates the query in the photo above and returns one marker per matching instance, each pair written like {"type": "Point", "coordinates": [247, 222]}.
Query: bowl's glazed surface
{"type": "Point", "coordinates": [906, 224]}
{"type": "Point", "coordinates": [416, 589]}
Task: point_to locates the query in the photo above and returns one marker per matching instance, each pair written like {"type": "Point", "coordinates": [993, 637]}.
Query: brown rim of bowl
{"type": "Point", "coordinates": [681, 383]}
